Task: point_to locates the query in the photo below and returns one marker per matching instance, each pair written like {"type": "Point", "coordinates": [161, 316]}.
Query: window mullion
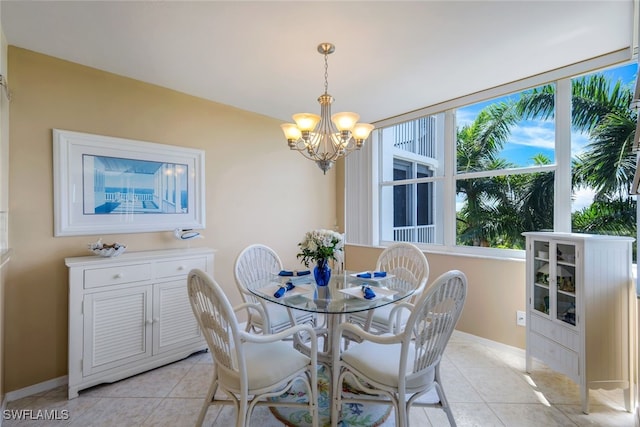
{"type": "Point", "coordinates": [449, 199]}
{"type": "Point", "coordinates": [562, 190]}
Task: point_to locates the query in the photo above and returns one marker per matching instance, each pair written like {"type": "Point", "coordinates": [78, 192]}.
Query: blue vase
{"type": "Point", "coordinates": [322, 272]}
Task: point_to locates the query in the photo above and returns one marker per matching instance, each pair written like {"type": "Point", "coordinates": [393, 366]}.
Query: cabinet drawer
{"type": "Point", "coordinates": [558, 333]}
{"type": "Point", "coordinates": [555, 356]}
{"type": "Point", "coordinates": [180, 267]}
{"type": "Point", "coordinates": [116, 275]}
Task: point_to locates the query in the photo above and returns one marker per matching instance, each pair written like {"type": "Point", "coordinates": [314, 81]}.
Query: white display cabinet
{"type": "Point", "coordinates": [581, 309]}
{"type": "Point", "coordinates": [131, 313]}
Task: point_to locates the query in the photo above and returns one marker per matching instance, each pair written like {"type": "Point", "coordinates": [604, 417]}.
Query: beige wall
{"type": "Point", "coordinates": [256, 191]}
{"type": "Point", "coordinates": [496, 290]}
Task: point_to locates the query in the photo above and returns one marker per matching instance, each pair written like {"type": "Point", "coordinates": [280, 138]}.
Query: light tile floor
{"type": "Point", "coordinates": [484, 381]}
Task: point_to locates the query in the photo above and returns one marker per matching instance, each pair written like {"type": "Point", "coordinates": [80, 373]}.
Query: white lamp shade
{"type": "Point", "coordinates": [306, 121]}
{"type": "Point", "coordinates": [291, 131]}
{"type": "Point", "coordinates": [361, 131]}
{"type": "Point", "coordinates": [345, 121]}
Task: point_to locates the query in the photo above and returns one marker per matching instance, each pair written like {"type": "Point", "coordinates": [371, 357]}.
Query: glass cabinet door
{"type": "Point", "coordinates": [565, 288]}
{"type": "Point", "coordinates": [540, 292]}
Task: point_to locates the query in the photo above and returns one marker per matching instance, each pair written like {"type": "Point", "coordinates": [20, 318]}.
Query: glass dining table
{"type": "Point", "coordinates": [343, 295]}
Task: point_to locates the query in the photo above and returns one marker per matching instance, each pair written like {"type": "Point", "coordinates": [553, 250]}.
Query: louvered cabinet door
{"type": "Point", "coordinates": [117, 328]}
{"type": "Point", "coordinates": [174, 324]}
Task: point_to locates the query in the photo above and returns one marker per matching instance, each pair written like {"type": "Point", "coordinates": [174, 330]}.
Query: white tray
{"type": "Point", "coordinates": [269, 290]}
{"type": "Point", "coordinates": [356, 291]}
{"type": "Point", "coordinates": [372, 279]}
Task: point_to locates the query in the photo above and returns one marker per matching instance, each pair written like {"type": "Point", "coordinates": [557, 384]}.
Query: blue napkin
{"type": "Point", "coordinates": [368, 292]}
{"type": "Point", "coordinates": [367, 275]}
{"type": "Point", "coordinates": [284, 288]}
{"type": "Point", "coordinates": [294, 273]}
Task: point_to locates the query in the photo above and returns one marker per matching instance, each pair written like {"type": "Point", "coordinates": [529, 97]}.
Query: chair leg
{"type": "Point", "coordinates": [336, 405]}
{"type": "Point", "coordinates": [207, 402]}
{"type": "Point", "coordinates": [401, 410]}
{"type": "Point", "coordinates": [443, 398]}
{"type": "Point", "coordinates": [242, 418]}
{"type": "Point", "coordinates": [313, 399]}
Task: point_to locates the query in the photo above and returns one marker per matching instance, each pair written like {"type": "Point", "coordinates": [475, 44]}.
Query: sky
{"type": "Point", "coordinates": [537, 137]}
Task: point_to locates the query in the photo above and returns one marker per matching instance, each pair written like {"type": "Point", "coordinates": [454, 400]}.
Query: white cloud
{"type": "Point", "coordinates": [582, 198]}
{"type": "Point", "coordinates": [537, 135]}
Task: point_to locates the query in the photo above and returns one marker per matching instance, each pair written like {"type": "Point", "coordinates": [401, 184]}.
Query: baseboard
{"type": "Point", "coordinates": [34, 389]}
{"type": "Point", "coordinates": [489, 343]}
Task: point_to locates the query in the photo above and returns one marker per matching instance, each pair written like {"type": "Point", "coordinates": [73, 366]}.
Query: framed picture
{"type": "Point", "coordinates": [105, 185]}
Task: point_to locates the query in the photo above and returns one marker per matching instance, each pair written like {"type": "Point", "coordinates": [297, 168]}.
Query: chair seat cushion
{"type": "Point", "coordinates": [267, 364]}
{"type": "Point", "coordinates": [380, 363]}
{"type": "Point", "coordinates": [381, 315]}
{"type": "Point", "coordinates": [380, 319]}
{"type": "Point", "coordinates": [279, 317]}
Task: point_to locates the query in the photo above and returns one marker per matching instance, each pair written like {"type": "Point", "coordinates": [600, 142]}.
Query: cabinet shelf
{"type": "Point", "coordinates": [566, 263]}
{"type": "Point", "coordinates": [569, 294]}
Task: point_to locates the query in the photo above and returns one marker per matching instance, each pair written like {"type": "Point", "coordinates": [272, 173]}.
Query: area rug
{"type": "Point", "coordinates": [353, 414]}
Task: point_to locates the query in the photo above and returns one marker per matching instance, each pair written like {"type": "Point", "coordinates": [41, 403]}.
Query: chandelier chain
{"type": "Point", "coordinates": [326, 73]}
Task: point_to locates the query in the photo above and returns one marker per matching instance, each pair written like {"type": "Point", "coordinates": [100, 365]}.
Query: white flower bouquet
{"type": "Point", "coordinates": [320, 244]}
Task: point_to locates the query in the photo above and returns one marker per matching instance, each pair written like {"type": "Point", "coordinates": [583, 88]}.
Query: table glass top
{"type": "Point", "coordinates": [344, 293]}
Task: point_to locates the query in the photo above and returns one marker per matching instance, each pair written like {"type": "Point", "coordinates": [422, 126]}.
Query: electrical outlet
{"type": "Point", "coordinates": [521, 318]}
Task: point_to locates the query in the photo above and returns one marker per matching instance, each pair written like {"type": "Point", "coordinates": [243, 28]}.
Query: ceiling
{"type": "Point", "coordinates": [391, 57]}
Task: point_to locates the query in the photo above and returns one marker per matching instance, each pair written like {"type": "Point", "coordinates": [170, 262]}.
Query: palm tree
{"type": "Point", "coordinates": [537, 198]}
{"type": "Point", "coordinates": [608, 163]}
{"type": "Point", "coordinates": [478, 146]}
{"type": "Point", "coordinates": [498, 209]}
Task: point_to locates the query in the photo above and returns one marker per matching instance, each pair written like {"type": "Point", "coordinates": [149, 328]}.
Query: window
{"type": "Point", "coordinates": [411, 168]}
{"type": "Point", "coordinates": [475, 173]}
{"type": "Point", "coordinates": [604, 165]}
{"type": "Point", "coordinates": [501, 180]}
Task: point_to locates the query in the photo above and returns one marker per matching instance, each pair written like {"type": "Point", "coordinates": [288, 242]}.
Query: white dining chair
{"type": "Point", "coordinates": [249, 368]}
{"type": "Point", "coordinates": [397, 369]}
{"type": "Point", "coordinates": [407, 262]}
{"type": "Point", "coordinates": [253, 267]}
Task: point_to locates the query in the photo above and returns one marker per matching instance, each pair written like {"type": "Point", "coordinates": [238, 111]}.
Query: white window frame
{"type": "Point", "coordinates": [362, 171]}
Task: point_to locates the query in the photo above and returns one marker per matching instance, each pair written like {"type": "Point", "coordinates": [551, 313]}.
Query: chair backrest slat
{"type": "Point", "coordinates": [255, 262]}
{"type": "Point", "coordinates": [434, 318]}
{"type": "Point", "coordinates": [216, 318]}
{"type": "Point", "coordinates": [407, 262]}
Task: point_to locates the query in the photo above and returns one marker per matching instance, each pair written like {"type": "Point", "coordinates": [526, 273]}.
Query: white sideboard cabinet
{"type": "Point", "coordinates": [581, 309]}
{"type": "Point", "coordinates": [130, 313]}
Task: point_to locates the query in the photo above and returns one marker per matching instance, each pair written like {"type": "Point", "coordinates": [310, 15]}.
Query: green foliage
{"type": "Point", "coordinates": [497, 210]}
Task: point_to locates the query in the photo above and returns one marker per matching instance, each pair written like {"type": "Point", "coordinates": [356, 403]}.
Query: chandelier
{"type": "Point", "coordinates": [325, 138]}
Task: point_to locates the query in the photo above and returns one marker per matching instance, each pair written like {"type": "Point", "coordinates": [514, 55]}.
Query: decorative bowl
{"type": "Point", "coordinates": [108, 249]}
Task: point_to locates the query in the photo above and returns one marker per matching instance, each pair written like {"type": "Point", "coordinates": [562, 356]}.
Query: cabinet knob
{"type": "Point", "coordinates": [149, 321]}
{"type": "Point", "coordinates": [181, 267]}
{"type": "Point", "coordinates": [118, 276]}
{"type": "Point", "coordinates": [156, 319]}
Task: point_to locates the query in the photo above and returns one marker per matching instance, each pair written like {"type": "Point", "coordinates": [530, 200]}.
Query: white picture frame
{"type": "Point", "coordinates": [107, 185]}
